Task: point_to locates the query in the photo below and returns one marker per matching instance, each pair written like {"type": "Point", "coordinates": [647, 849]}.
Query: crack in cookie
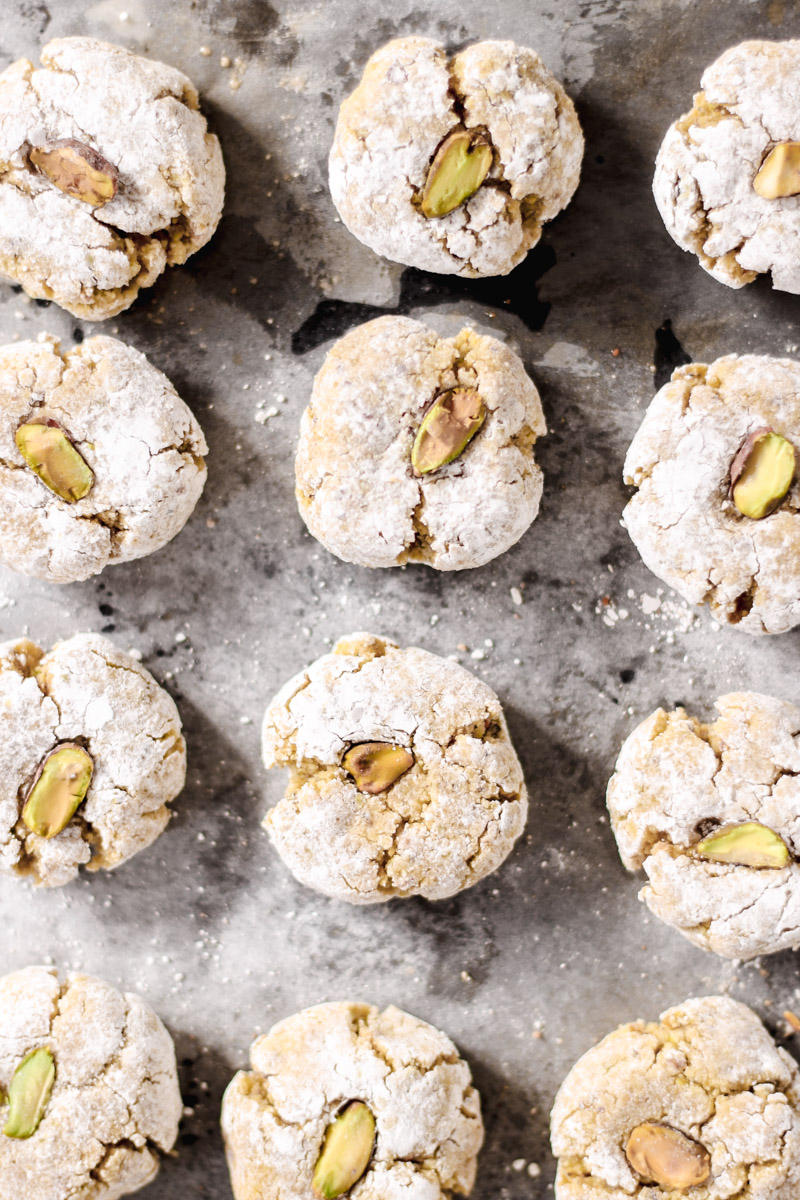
{"type": "Point", "coordinates": [683, 519]}
{"type": "Point", "coordinates": [143, 118]}
{"type": "Point", "coordinates": [355, 482]}
{"type": "Point", "coordinates": [445, 823]}
{"type": "Point", "coordinates": [85, 691]}
{"type": "Point", "coordinates": [680, 781]}
{"type": "Point", "coordinates": [411, 97]}
{"type": "Point", "coordinates": [709, 160]}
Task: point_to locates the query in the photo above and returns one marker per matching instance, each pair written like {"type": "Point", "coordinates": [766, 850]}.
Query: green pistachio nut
{"type": "Point", "coordinates": [59, 788]}
{"type": "Point", "coordinates": [28, 1093]}
{"type": "Point", "coordinates": [661, 1154]}
{"type": "Point", "coordinates": [448, 426]}
{"type": "Point", "coordinates": [762, 473]}
{"type": "Point", "coordinates": [346, 1151]}
{"type": "Point", "coordinates": [51, 455]}
{"type": "Point", "coordinates": [375, 766]}
{"type": "Point", "coordinates": [77, 169]}
{"type": "Point", "coordinates": [748, 845]}
{"type": "Point", "coordinates": [779, 173]}
{"type": "Point", "coordinates": [458, 169]}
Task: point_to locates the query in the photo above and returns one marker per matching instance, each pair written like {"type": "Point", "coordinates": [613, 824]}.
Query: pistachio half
{"type": "Point", "coordinates": [779, 173]}
{"type": "Point", "coordinates": [51, 455]}
{"type": "Point", "coordinates": [449, 424]}
{"type": "Point", "coordinates": [28, 1093]}
{"type": "Point", "coordinates": [458, 169]}
{"type": "Point", "coordinates": [748, 845]}
{"type": "Point", "coordinates": [663, 1155]}
{"type": "Point", "coordinates": [59, 788]}
{"type": "Point", "coordinates": [77, 169]}
{"type": "Point", "coordinates": [346, 1151]}
{"type": "Point", "coordinates": [375, 766]}
{"type": "Point", "coordinates": [762, 472]}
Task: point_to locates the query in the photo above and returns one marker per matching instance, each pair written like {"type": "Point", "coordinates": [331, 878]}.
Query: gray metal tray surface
{"type": "Point", "coordinates": [531, 967]}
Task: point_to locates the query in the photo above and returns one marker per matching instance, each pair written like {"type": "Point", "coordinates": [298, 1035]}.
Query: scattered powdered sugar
{"type": "Point", "coordinates": [666, 615]}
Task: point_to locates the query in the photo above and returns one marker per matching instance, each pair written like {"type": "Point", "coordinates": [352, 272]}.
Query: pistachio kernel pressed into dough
{"type": "Point", "coordinates": [747, 845]}
{"type": "Point", "coordinates": [449, 424]}
{"type": "Point", "coordinates": [375, 766]}
{"type": "Point", "coordinates": [78, 170]}
{"type": "Point", "coordinates": [663, 1155]}
{"type": "Point", "coordinates": [346, 1151]}
{"type": "Point", "coordinates": [458, 169]}
{"type": "Point", "coordinates": [59, 789]}
{"type": "Point", "coordinates": [28, 1093]}
{"type": "Point", "coordinates": [51, 455]}
{"type": "Point", "coordinates": [762, 472]}
{"type": "Point", "coordinates": [779, 173]}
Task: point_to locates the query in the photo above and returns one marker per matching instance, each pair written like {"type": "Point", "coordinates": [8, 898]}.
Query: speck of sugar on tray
{"type": "Point", "coordinates": [609, 611]}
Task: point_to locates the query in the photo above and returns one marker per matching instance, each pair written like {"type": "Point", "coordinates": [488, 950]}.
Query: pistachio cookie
{"type": "Point", "coordinates": [728, 172]}
{"type": "Point", "coordinates": [89, 1086]}
{"type": "Point", "coordinates": [419, 448]}
{"type": "Point", "coordinates": [716, 513]}
{"type": "Point", "coordinates": [403, 778]}
{"type": "Point", "coordinates": [712, 813]}
{"type": "Point", "coordinates": [100, 459]}
{"type": "Point", "coordinates": [91, 754]}
{"type": "Point", "coordinates": [109, 175]}
{"type": "Point", "coordinates": [701, 1103]}
{"type": "Point", "coordinates": [344, 1096]}
{"type": "Point", "coordinates": [454, 164]}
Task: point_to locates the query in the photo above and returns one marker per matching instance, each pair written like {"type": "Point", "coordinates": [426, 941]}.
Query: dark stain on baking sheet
{"type": "Point", "coordinates": [517, 293]}
{"type": "Point", "coordinates": [668, 355]}
{"type": "Point", "coordinates": [37, 14]}
{"type": "Point", "coordinates": [248, 21]}
{"type": "Point", "coordinates": [251, 23]}
{"type": "Point", "coordinates": [239, 253]}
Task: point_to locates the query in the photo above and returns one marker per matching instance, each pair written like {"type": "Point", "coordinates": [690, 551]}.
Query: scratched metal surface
{"type": "Point", "coordinates": [528, 969]}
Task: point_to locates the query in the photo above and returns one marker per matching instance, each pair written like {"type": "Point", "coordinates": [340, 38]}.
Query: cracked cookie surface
{"type": "Point", "coordinates": [682, 519]}
{"type": "Point", "coordinates": [709, 1069]}
{"type": "Point", "coordinates": [410, 98]}
{"type": "Point", "coordinates": [708, 161]}
{"type": "Point", "coordinates": [356, 489]}
{"type": "Point", "coordinates": [85, 691]}
{"type": "Point", "coordinates": [307, 1068]}
{"type": "Point", "coordinates": [143, 118]}
{"type": "Point", "coordinates": [677, 780]}
{"type": "Point", "coordinates": [115, 1103]}
{"type": "Point", "coordinates": [141, 442]}
{"type": "Point", "coordinates": [443, 825]}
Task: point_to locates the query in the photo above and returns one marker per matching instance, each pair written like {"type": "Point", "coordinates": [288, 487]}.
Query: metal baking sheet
{"type": "Point", "coordinates": [529, 968]}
